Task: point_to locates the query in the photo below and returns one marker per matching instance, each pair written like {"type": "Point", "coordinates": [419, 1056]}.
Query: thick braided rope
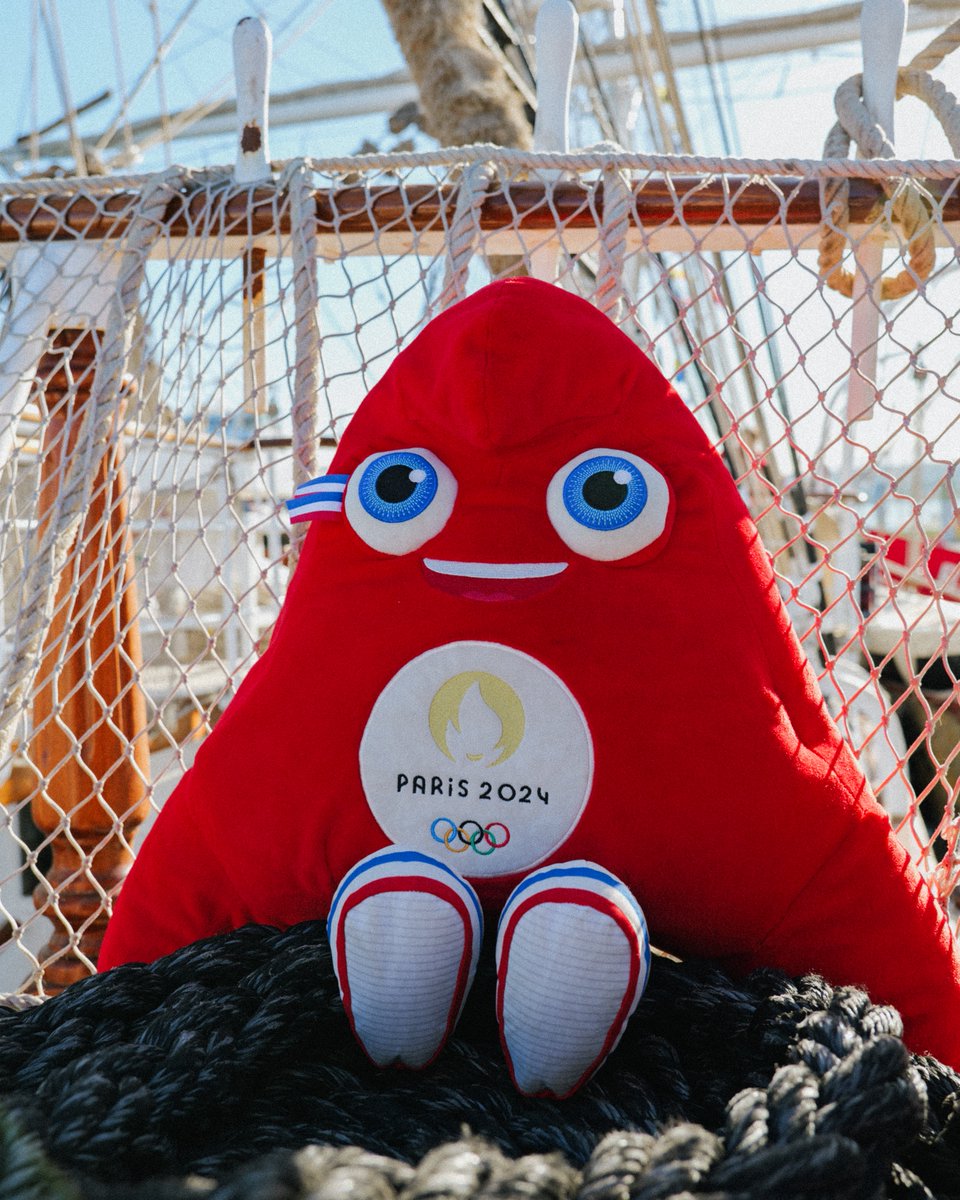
{"type": "Point", "coordinates": [98, 424]}
{"type": "Point", "coordinates": [933, 54]}
{"type": "Point", "coordinates": [942, 103]}
{"type": "Point", "coordinates": [225, 1057]}
{"type": "Point", "coordinates": [513, 161]}
{"type": "Point", "coordinates": [910, 204]}
{"type": "Point", "coordinates": [617, 203]}
{"type": "Point", "coordinates": [107, 185]}
{"type": "Point", "coordinates": [464, 232]}
{"type": "Point", "coordinates": [519, 160]}
{"type": "Point", "coordinates": [298, 180]}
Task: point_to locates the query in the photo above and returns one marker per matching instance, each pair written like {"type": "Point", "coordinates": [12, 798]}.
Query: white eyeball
{"type": "Point", "coordinates": [608, 504]}
{"type": "Point", "coordinates": [398, 500]}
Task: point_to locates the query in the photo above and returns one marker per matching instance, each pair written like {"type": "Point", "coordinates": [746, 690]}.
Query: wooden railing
{"type": "Point", "coordinates": [666, 211]}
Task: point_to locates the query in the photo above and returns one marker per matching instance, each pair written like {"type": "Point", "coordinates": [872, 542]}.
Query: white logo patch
{"type": "Point", "coordinates": [479, 755]}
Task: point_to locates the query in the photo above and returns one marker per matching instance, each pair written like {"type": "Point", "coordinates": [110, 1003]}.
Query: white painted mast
{"type": "Point", "coordinates": [556, 35]}
{"type": "Point", "coordinates": [252, 52]}
{"type": "Point", "coordinates": [252, 48]}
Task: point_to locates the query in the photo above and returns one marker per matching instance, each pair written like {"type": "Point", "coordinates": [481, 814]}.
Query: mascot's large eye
{"type": "Point", "coordinates": [608, 504]}
{"type": "Point", "coordinates": [399, 500]}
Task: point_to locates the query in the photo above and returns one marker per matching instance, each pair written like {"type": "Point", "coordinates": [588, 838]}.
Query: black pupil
{"type": "Point", "coordinates": [394, 485]}
{"type": "Point", "coordinates": [602, 491]}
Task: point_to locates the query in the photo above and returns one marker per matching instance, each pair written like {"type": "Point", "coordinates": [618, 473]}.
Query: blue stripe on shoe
{"type": "Point", "coordinates": [403, 856]}
{"type": "Point", "coordinates": [573, 873]}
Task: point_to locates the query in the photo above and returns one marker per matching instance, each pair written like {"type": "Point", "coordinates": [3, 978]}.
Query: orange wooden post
{"type": "Point", "coordinates": [89, 715]}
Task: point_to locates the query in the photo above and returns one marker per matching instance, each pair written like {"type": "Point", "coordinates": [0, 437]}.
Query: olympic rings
{"type": "Point", "coordinates": [480, 835]}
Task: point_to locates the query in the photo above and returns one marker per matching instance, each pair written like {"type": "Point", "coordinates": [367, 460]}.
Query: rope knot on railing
{"type": "Point", "coordinates": [909, 204]}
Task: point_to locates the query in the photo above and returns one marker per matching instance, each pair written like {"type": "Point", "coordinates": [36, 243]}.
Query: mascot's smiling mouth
{"type": "Point", "coordinates": [492, 581]}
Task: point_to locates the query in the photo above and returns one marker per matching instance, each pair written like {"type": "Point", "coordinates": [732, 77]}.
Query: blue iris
{"type": "Point", "coordinates": [605, 492]}
{"type": "Point", "coordinates": [397, 486]}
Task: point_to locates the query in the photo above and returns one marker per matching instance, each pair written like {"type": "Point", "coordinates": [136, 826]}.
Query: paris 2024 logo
{"type": "Point", "coordinates": [477, 750]}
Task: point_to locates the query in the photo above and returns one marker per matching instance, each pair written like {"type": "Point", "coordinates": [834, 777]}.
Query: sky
{"type": "Point", "coordinates": [775, 106]}
{"type": "Point", "coordinates": [314, 41]}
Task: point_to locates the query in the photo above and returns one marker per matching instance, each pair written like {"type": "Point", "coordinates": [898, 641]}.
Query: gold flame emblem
{"type": "Point", "coordinates": [476, 718]}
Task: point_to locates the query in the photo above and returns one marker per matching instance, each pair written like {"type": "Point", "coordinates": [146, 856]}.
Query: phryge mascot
{"type": "Point", "coordinates": [533, 666]}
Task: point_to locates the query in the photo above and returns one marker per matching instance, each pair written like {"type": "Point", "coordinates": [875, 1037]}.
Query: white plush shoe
{"type": "Point", "coordinates": [405, 933]}
{"type": "Point", "coordinates": [572, 962]}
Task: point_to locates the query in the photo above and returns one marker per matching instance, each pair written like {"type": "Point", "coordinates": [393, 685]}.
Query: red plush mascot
{"type": "Point", "coordinates": [533, 663]}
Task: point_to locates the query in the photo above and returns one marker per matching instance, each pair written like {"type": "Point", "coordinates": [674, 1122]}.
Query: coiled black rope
{"type": "Point", "coordinates": [226, 1059]}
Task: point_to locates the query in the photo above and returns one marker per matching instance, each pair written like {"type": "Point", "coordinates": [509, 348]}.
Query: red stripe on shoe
{"type": "Point", "coordinates": [419, 884]}
{"type": "Point", "coordinates": [586, 899]}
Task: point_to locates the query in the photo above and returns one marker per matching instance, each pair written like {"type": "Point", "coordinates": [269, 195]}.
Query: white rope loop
{"type": "Point", "coordinates": [98, 422]}
{"type": "Point", "coordinates": [298, 180]}
{"type": "Point", "coordinates": [465, 231]}
{"type": "Point", "coordinates": [911, 206]}
{"type": "Point", "coordinates": [617, 206]}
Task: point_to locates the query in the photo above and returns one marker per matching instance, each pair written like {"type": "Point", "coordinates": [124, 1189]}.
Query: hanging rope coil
{"type": "Point", "coordinates": [910, 204]}
{"type": "Point", "coordinates": [226, 1057]}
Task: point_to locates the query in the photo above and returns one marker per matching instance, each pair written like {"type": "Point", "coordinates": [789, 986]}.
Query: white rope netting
{"type": "Point", "coordinates": [246, 324]}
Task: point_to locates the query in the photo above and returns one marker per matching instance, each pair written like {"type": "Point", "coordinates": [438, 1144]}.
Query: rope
{"type": "Point", "coordinates": [465, 232]}
{"type": "Point", "coordinates": [18, 1001]}
{"type": "Point", "coordinates": [933, 55]}
{"type": "Point", "coordinates": [98, 420]}
{"type": "Point", "coordinates": [298, 180]}
{"type": "Point", "coordinates": [226, 1057]}
{"type": "Point", "coordinates": [25, 1171]}
{"type": "Point", "coordinates": [108, 185]}
{"type": "Point", "coordinates": [910, 204]}
{"type": "Point", "coordinates": [669, 164]}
